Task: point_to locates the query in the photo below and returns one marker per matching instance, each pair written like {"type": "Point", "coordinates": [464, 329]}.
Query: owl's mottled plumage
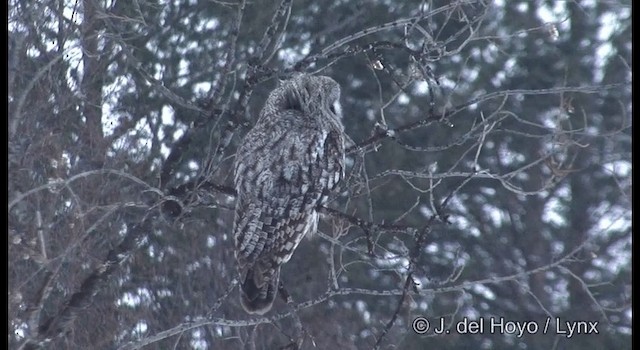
{"type": "Point", "coordinates": [287, 165]}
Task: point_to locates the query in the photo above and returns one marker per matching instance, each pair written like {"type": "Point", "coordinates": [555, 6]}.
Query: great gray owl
{"type": "Point", "coordinates": [287, 165]}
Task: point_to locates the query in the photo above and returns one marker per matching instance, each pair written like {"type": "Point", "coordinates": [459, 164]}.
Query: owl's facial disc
{"type": "Point", "coordinates": [336, 109]}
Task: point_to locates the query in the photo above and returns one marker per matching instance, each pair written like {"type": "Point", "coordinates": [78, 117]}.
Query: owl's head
{"type": "Point", "coordinates": [311, 95]}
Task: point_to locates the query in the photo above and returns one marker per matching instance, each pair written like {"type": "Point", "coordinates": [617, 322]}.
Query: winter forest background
{"type": "Point", "coordinates": [489, 172]}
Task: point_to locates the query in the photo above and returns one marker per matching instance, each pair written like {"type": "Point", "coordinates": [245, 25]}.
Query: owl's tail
{"type": "Point", "coordinates": [259, 288]}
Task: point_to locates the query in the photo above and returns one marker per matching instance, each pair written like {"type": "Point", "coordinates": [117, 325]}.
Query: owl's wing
{"type": "Point", "coordinates": [285, 168]}
{"type": "Point", "coordinates": [335, 158]}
